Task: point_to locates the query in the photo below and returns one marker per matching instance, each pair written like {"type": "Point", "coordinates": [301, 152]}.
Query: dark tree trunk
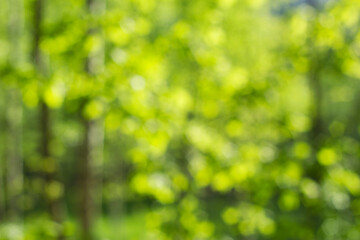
{"type": "Point", "coordinates": [49, 173]}
{"type": "Point", "coordinates": [87, 202]}
{"type": "Point", "coordinates": [316, 133]}
{"type": "Point", "coordinates": [38, 15]}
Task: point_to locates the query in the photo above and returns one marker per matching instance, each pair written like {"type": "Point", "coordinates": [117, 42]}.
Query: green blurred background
{"type": "Point", "coordinates": [179, 119]}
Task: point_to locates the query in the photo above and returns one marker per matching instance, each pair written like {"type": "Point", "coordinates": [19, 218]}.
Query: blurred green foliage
{"type": "Point", "coordinates": [222, 119]}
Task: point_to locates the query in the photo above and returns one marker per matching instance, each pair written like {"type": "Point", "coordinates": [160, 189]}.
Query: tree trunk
{"type": "Point", "coordinates": [49, 172]}
{"type": "Point", "coordinates": [316, 133]}
{"type": "Point", "coordinates": [86, 204]}
{"type": "Point", "coordinates": [2, 160]}
{"type": "Point", "coordinates": [93, 140]}
{"type": "Point", "coordinates": [13, 165]}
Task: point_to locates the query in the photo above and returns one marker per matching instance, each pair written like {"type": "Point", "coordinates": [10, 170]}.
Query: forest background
{"type": "Point", "coordinates": [179, 119]}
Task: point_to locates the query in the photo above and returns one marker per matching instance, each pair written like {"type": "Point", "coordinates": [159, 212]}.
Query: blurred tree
{"type": "Point", "coordinates": [13, 176]}
{"type": "Point", "coordinates": [49, 167]}
{"type": "Point", "coordinates": [92, 147]}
